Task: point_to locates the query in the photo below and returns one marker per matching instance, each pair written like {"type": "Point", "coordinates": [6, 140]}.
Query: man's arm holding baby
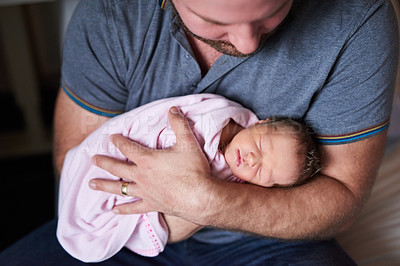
{"type": "Point", "coordinates": [317, 209]}
{"type": "Point", "coordinates": [72, 124]}
{"type": "Point", "coordinates": [320, 208]}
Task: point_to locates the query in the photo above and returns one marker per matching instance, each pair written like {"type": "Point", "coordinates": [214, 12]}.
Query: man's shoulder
{"type": "Point", "coordinates": [321, 24]}
{"type": "Point", "coordinates": [343, 12]}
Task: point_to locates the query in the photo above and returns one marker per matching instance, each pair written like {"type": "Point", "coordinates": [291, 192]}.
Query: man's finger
{"type": "Point", "coordinates": [128, 147]}
{"type": "Point", "coordinates": [114, 166]}
{"type": "Point", "coordinates": [112, 186]}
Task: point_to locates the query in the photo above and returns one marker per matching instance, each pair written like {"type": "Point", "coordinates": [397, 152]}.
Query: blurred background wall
{"type": "Point", "coordinates": [31, 34]}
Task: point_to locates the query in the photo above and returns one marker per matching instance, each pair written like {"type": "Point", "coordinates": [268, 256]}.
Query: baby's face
{"type": "Point", "coordinates": [264, 156]}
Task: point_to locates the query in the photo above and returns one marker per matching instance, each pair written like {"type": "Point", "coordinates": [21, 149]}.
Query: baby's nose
{"type": "Point", "coordinates": [251, 159]}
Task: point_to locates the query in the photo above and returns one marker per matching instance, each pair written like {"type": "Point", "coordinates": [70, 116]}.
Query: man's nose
{"type": "Point", "coordinates": [245, 37]}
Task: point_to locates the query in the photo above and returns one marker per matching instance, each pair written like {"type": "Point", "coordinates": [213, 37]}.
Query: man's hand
{"type": "Point", "coordinates": [172, 181]}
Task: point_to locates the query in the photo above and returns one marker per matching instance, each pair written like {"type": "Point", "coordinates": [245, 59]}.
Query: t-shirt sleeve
{"type": "Point", "coordinates": [355, 101]}
{"type": "Point", "coordinates": [93, 68]}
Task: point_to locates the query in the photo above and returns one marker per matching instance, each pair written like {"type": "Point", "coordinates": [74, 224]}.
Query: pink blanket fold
{"type": "Point", "coordinates": [87, 227]}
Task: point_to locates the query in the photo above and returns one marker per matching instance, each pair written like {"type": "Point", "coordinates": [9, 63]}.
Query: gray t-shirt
{"type": "Point", "coordinates": [331, 64]}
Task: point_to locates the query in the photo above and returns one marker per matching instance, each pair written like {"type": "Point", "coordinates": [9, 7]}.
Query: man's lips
{"type": "Point", "coordinates": [238, 158]}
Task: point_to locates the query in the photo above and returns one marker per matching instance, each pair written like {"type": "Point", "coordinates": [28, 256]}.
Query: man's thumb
{"type": "Point", "coordinates": [179, 124]}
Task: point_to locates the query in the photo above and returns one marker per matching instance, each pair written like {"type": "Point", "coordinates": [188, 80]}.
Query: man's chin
{"type": "Point", "coordinates": [228, 48]}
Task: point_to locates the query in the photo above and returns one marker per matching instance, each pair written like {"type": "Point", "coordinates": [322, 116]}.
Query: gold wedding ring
{"type": "Point", "coordinates": [124, 189]}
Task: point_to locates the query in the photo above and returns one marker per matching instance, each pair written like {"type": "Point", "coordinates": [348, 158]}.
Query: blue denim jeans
{"type": "Point", "coordinates": [42, 248]}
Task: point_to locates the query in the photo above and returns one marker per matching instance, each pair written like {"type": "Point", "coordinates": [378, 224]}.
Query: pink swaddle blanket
{"type": "Point", "coordinates": [87, 227]}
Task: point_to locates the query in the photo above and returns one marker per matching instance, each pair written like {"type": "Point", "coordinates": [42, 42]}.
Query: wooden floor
{"type": "Point", "coordinates": [375, 238]}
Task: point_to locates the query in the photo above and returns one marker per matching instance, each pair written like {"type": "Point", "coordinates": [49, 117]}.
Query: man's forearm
{"type": "Point", "coordinates": [318, 209]}
{"type": "Point", "coordinates": [314, 210]}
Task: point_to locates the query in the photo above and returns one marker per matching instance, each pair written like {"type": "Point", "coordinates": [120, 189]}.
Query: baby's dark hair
{"type": "Point", "coordinates": [308, 149]}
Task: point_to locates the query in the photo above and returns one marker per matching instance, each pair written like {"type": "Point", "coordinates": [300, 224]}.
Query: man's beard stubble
{"type": "Point", "coordinates": [223, 47]}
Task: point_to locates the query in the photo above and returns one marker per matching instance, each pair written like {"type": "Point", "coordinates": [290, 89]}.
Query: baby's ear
{"type": "Point", "coordinates": [263, 121]}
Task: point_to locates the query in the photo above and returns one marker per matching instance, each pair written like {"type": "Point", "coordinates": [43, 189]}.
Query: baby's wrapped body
{"type": "Point", "coordinates": [87, 227]}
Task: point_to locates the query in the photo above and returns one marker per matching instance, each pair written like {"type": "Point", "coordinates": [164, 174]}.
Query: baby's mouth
{"type": "Point", "coordinates": [238, 158]}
